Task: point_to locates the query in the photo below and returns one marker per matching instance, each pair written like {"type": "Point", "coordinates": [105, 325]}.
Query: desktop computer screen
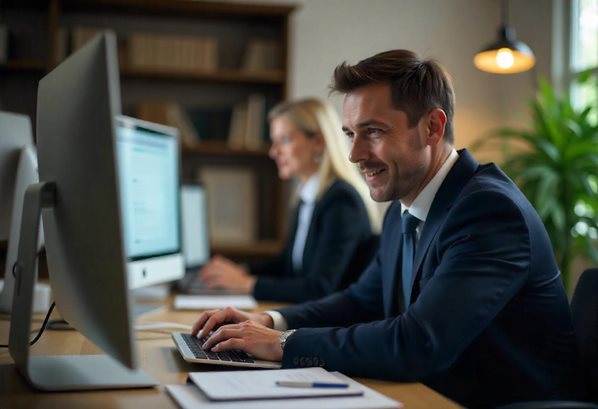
{"type": "Point", "coordinates": [148, 169]}
{"type": "Point", "coordinates": [196, 243]}
{"type": "Point", "coordinates": [78, 197]}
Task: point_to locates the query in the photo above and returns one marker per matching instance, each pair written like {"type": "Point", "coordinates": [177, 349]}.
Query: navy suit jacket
{"type": "Point", "coordinates": [338, 226]}
{"type": "Point", "coordinates": [489, 322]}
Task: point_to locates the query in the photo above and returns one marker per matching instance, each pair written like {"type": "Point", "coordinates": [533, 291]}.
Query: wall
{"type": "Point", "coordinates": [327, 32]}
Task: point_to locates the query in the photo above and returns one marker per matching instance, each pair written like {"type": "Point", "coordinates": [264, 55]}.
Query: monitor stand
{"type": "Point", "coordinates": [55, 372]}
{"type": "Point", "coordinates": [149, 300]}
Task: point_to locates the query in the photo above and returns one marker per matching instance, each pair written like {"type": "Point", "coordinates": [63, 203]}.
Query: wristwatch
{"type": "Point", "coordinates": [284, 337]}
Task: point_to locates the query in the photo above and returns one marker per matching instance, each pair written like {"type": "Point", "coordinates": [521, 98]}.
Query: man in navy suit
{"type": "Point", "coordinates": [464, 294]}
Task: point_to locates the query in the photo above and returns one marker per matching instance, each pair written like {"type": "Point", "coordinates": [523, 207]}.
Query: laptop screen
{"type": "Point", "coordinates": [196, 245]}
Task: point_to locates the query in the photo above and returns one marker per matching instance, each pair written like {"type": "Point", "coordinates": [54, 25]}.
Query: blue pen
{"type": "Point", "coordinates": [300, 384]}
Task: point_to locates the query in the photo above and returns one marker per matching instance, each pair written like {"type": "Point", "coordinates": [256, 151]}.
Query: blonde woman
{"type": "Point", "coordinates": [333, 212]}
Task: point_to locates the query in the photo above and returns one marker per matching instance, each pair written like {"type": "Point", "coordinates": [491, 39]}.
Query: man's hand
{"type": "Point", "coordinates": [212, 319]}
{"type": "Point", "coordinates": [248, 336]}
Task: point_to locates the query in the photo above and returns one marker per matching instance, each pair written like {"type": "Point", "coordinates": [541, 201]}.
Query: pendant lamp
{"type": "Point", "coordinates": [506, 55]}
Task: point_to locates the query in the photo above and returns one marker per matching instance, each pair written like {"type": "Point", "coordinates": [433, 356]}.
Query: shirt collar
{"type": "Point", "coordinates": [422, 203]}
{"type": "Point", "coordinates": [309, 189]}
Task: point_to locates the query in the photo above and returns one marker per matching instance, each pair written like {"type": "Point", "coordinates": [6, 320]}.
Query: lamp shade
{"type": "Point", "coordinates": [506, 55]}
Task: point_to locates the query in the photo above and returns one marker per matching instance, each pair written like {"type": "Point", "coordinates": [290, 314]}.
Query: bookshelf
{"type": "Point", "coordinates": [246, 59]}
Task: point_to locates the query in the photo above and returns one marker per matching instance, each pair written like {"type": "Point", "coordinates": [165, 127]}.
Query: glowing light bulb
{"type": "Point", "coordinates": [504, 58]}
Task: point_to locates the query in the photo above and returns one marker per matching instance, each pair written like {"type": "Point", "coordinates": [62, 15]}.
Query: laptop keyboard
{"type": "Point", "coordinates": [195, 344]}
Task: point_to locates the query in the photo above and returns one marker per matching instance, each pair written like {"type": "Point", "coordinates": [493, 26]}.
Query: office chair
{"type": "Point", "coordinates": [584, 311]}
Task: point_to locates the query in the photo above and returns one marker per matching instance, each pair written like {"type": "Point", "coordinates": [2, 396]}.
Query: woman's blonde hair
{"type": "Point", "coordinates": [312, 116]}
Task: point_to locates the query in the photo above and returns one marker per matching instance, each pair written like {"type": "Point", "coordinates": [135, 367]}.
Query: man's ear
{"type": "Point", "coordinates": [435, 125]}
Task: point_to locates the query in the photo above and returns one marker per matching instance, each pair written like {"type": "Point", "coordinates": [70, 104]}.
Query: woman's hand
{"type": "Point", "coordinates": [220, 272]}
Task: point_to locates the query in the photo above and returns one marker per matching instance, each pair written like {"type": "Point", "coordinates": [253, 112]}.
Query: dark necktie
{"type": "Point", "coordinates": [409, 222]}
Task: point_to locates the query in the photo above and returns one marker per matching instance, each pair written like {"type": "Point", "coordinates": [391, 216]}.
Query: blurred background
{"type": "Point", "coordinates": [213, 69]}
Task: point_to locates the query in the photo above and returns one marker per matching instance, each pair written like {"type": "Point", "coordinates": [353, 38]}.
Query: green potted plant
{"type": "Point", "coordinates": [557, 169]}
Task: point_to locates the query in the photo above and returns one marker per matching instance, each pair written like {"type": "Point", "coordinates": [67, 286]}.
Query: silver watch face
{"type": "Point", "coordinates": [284, 336]}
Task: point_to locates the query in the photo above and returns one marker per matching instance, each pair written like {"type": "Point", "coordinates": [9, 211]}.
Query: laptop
{"type": "Point", "coordinates": [190, 348]}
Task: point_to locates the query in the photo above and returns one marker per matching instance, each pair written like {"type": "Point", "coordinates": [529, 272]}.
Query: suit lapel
{"type": "Point", "coordinates": [451, 187]}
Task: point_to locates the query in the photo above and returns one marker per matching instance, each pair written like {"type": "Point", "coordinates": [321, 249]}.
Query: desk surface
{"type": "Point", "coordinates": [158, 357]}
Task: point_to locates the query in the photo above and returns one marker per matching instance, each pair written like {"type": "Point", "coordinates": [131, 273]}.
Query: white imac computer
{"type": "Point", "coordinates": [15, 134]}
{"type": "Point", "coordinates": [148, 169]}
{"type": "Point", "coordinates": [18, 169]}
{"type": "Point", "coordinates": [79, 198]}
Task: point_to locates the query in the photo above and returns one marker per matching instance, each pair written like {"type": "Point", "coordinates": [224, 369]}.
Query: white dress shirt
{"type": "Point", "coordinates": [422, 203]}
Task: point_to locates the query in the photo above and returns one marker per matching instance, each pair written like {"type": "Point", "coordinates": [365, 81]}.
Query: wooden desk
{"type": "Point", "coordinates": [158, 357]}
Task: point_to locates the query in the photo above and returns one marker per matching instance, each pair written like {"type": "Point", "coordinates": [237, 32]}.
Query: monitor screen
{"type": "Point", "coordinates": [148, 172]}
{"type": "Point", "coordinates": [148, 160]}
{"type": "Point", "coordinates": [196, 245]}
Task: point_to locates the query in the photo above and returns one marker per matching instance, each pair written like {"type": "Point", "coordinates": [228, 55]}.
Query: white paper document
{"type": "Point", "coordinates": [261, 384]}
{"type": "Point", "coordinates": [207, 302]}
{"type": "Point", "coordinates": [189, 396]}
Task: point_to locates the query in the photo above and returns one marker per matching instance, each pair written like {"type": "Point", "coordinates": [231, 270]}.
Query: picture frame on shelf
{"type": "Point", "coordinates": [232, 204]}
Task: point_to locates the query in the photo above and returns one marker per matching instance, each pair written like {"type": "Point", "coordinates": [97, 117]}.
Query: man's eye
{"type": "Point", "coordinates": [373, 131]}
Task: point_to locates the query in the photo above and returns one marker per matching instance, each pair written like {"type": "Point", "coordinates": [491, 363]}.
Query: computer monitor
{"type": "Point", "coordinates": [148, 169]}
{"type": "Point", "coordinates": [18, 169]}
{"type": "Point", "coordinates": [78, 196]}
{"type": "Point", "coordinates": [196, 244]}
{"type": "Point", "coordinates": [15, 134]}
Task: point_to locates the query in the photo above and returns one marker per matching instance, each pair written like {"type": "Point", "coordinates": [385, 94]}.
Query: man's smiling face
{"type": "Point", "coordinates": [394, 158]}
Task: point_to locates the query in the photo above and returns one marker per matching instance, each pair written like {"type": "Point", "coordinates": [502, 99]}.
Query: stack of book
{"type": "Point", "coordinates": [177, 53]}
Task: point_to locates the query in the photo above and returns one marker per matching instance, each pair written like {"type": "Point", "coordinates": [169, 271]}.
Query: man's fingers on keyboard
{"type": "Point", "coordinates": [201, 321]}
{"type": "Point", "coordinates": [217, 318]}
{"type": "Point", "coordinates": [221, 334]}
{"type": "Point", "coordinates": [231, 343]}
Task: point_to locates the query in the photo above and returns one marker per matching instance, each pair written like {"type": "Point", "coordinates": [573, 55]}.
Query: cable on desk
{"type": "Point", "coordinates": [41, 329]}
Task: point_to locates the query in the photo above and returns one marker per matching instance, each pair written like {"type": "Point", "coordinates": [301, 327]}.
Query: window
{"type": "Point", "coordinates": [584, 51]}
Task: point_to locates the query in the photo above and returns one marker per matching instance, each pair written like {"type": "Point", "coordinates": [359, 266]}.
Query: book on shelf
{"type": "Point", "coordinates": [262, 55]}
{"type": "Point", "coordinates": [177, 53]}
{"type": "Point", "coordinates": [237, 129]}
{"type": "Point", "coordinates": [172, 114]}
{"type": "Point", "coordinates": [247, 123]}
{"type": "Point", "coordinates": [254, 129]}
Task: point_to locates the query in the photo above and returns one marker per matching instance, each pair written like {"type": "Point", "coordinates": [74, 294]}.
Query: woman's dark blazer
{"type": "Point", "coordinates": [338, 227]}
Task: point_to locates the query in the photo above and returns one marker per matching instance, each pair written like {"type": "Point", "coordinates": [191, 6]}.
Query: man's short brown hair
{"type": "Point", "coordinates": [417, 86]}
